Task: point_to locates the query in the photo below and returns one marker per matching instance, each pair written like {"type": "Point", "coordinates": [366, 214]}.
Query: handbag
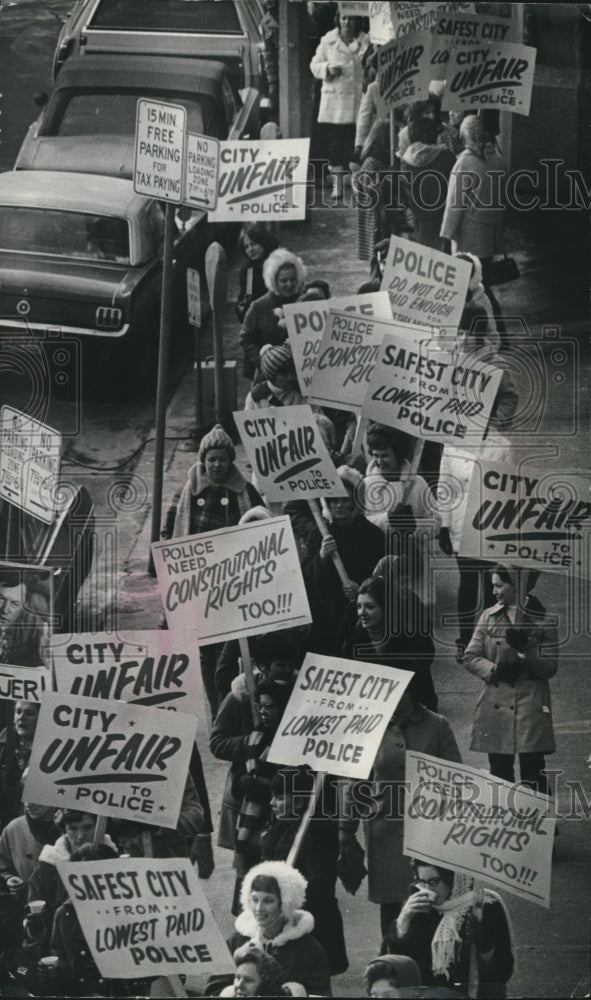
{"type": "Point", "coordinates": [500, 272]}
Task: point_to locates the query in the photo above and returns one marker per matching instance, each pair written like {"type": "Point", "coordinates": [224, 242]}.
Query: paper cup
{"type": "Point", "coordinates": [36, 906]}
{"type": "Point", "coordinates": [49, 962]}
{"type": "Point", "coordinates": [14, 882]}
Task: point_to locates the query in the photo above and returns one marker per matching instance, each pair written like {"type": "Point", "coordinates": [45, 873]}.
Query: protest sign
{"type": "Point", "coordinates": [461, 818]}
{"type": "Point", "coordinates": [30, 454]}
{"type": "Point", "coordinates": [145, 917]}
{"type": "Point", "coordinates": [354, 8]}
{"type": "Point", "coordinates": [404, 70]}
{"type": "Point", "coordinates": [337, 715]}
{"type": "Point", "coordinates": [287, 453]}
{"type": "Point", "coordinates": [429, 392]}
{"type": "Point", "coordinates": [24, 683]}
{"type": "Point", "coordinates": [110, 758]}
{"type": "Point", "coordinates": [347, 355]}
{"type": "Point", "coordinates": [232, 583]}
{"type": "Point", "coordinates": [144, 667]}
{"type": "Point", "coordinates": [262, 180]}
{"type": "Point", "coordinates": [454, 31]}
{"type": "Point", "coordinates": [425, 286]}
{"type": "Point", "coordinates": [381, 27]}
{"type": "Point", "coordinates": [306, 322]}
{"type": "Point", "coordinates": [408, 17]}
{"type": "Point", "coordinates": [498, 75]}
{"type": "Point", "coordinates": [535, 519]}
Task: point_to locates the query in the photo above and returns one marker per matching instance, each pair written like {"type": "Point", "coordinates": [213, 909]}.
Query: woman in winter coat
{"type": "Point", "coordinates": [272, 918]}
{"type": "Point", "coordinates": [284, 275]}
{"type": "Point", "coordinates": [256, 243]}
{"type": "Point", "coordinates": [387, 632]}
{"type": "Point", "coordinates": [257, 974]}
{"type": "Point", "coordinates": [360, 545]}
{"type": "Point", "coordinates": [412, 727]}
{"type": "Point", "coordinates": [429, 165]}
{"type": "Point", "coordinates": [338, 63]}
{"type": "Point", "coordinates": [389, 973]}
{"type": "Point", "coordinates": [278, 385]}
{"type": "Point", "coordinates": [437, 927]}
{"type": "Point", "coordinates": [474, 212]}
{"type": "Point", "coordinates": [216, 495]}
{"type": "Point", "coordinates": [514, 650]}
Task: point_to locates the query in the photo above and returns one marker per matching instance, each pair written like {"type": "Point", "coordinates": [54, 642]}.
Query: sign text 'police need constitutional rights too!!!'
{"type": "Point", "coordinates": [460, 818]}
{"type": "Point", "coordinates": [110, 758]}
{"type": "Point", "coordinates": [232, 583]}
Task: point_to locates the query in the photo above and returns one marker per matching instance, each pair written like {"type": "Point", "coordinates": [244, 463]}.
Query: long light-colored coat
{"type": "Point", "coordinates": [474, 210]}
{"type": "Point", "coordinates": [513, 718]}
{"type": "Point", "coordinates": [340, 97]}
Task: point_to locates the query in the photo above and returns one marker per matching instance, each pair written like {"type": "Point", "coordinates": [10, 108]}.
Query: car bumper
{"type": "Point", "coordinates": [81, 331]}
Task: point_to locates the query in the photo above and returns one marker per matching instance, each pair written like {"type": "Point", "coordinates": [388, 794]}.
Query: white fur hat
{"type": "Point", "coordinates": [291, 882]}
{"type": "Point", "coordinates": [278, 259]}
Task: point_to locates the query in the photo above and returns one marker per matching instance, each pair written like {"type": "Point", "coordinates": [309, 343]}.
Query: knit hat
{"type": "Point", "coordinates": [402, 969]}
{"type": "Point", "coordinates": [273, 359]}
{"type": "Point", "coordinates": [217, 438]}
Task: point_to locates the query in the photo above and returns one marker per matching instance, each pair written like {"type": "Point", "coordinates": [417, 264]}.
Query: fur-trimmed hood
{"type": "Point", "coordinates": [278, 259]}
{"type": "Point", "coordinates": [300, 924]}
{"type": "Point", "coordinates": [291, 882]}
{"type": "Point", "coordinates": [53, 853]}
{"type": "Point", "coordinates": [421, 155]}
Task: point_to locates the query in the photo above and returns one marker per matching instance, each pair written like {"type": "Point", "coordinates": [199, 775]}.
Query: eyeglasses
{"type": "Point", "coordinates": [427, 883]}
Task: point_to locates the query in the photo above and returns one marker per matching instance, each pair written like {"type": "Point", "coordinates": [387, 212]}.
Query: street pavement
{"type": "Point", "coordinates": [552, 945]}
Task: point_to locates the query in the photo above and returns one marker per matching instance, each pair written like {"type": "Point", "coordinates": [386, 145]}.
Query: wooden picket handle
{"type": "Point", "coordinates": [249, 677]}
{"type": "Point", "coordinates": [305, 820]}
{"type": "Point", "coordinates": [323, 529]}
{"type": "Point", "coordinates": [414, 465]}
{"type": "Point", "coordinates": [100, 829]}
{"type": "Point", "coordinates": [360, 430]}
{"type": "Point", "coordinates": [477, 908]}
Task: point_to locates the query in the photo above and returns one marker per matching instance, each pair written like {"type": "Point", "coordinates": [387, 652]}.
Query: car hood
{"type": "Point", "coordinates": [58, 279]}
{"type": "Point", "coordinates": [111, 155]}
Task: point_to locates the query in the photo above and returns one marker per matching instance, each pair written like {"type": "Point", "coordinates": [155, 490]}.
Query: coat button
{"type": "Point", "coordinates": [82, 952]}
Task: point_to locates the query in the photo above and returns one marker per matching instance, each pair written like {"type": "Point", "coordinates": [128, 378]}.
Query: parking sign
{"type": "Point", "coordinates": [160, 150]}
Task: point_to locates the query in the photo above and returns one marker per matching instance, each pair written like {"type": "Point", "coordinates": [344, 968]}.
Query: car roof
{"type": "Point", "coordinates": [201, 76]}
{"type": "Point", "coordinates": [70, 192]}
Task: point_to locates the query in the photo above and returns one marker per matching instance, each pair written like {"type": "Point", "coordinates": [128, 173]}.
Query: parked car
{"type": "Point", "coordinates": [88, 123]}
{"type": "Point", "coordinates": [85, 255]}
{"type": "Point", "coordinates": [227, 30]}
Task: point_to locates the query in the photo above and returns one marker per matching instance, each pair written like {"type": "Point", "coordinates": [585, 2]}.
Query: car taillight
{"type": "Point", "coordinates": [108, 318]}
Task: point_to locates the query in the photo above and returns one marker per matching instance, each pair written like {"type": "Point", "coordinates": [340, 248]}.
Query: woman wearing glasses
{"type": "Point", "coordinates": [437, 927]}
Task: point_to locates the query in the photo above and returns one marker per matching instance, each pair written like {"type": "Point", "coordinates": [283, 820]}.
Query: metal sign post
{"type": "Point", "coordinates": [159, 172]}
{"type": "Point", "coordinates": [194, 311]}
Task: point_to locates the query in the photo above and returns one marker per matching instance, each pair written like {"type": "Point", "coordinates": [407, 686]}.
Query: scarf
{"type": "Point", "coordinates": [448, 938]}
{"type": "Point", "coordinates": [256, 787]}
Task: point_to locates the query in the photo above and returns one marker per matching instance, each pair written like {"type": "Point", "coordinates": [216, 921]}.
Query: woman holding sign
{"type": "Point", "coordinates": [514, 650]}
{"type": "Point", "coordinates": [437, 927]}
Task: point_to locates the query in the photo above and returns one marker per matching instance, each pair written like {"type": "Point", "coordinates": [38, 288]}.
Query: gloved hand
{"type": "Point", "coordinates": [201, 854]}
{"type": "Point", "coordinates": [508, 671]}
{"type": "Point", "coordinates": [445, 542]}
{"type": "Point", "coordinates": [517, 638]}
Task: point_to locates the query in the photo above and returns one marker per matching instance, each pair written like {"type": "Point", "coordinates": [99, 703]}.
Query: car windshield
{"type": "Point", "coordinates": [207, 17]}
{"type": "Point", "coordinates": [64, 234]}
{"type": "Point", "coordinates": [114, 113]}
